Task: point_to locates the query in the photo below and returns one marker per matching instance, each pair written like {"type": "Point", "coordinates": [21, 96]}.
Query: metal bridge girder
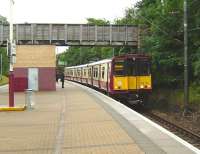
{"type": "Point", "coordinates": [71, 34]}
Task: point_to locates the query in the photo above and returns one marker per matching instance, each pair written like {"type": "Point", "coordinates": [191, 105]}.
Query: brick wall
{"type": "Point", "coordinates": [35, 56]}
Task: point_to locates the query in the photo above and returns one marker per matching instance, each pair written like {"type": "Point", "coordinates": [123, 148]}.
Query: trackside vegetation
{"type": "Point", "coordinates": [3, 80]}
{"type": "Point", "coordinates": [161, 36]}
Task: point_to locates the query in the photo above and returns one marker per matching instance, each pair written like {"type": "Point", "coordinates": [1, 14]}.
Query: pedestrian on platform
{"type": "Point", "coordinates": [62, 79]}
{"type": "Point", "coordinates": [57, 77]}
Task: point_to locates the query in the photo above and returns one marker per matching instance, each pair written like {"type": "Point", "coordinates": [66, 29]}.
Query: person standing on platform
{"type": "Point", "coordinates": [62, 79]}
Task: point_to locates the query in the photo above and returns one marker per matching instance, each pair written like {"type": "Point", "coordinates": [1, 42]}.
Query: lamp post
{"type": "Point", "coordinates": [186, 83]}
{"type": "Point", "coordinates": [10, 49]}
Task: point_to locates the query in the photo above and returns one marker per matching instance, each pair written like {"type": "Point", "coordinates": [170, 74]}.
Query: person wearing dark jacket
{"type": "Point", "coordinates": [62, 79]}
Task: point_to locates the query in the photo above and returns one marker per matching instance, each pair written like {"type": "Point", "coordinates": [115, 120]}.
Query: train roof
{"type": "Point", "coordinates": [140, 55]}
{"type": "Point", "coordinates": [100, 62]}
{"type": "Point", "coordinates": [90, 64]}
{"type": "Point", "coordinates": [78, 66]}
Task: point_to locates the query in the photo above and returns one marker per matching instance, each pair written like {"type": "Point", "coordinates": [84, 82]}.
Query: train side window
{"type": "Point", "coordinates": [78, 72]}
{"type": "Point", "coordinates": [89, 72]}
{"type": "Point", "coordinates": [94, 72]}
{"type": "Point", "coordinates": [103, 72]}
{"type": "Point", "coordinates": [97, 70]}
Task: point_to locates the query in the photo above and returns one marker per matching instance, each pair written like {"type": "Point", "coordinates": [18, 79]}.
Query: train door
{"type": "Point", "coordinates": [132, 73]}
{"type": "Point", "coordinates": [99, 76]}
{"type": "Point", "coordinates": [109, 77]}
{"type": "Point", "coordinates": [92, 70]}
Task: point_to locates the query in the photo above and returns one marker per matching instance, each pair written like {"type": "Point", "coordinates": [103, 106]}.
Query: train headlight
{"type": "Point", "coordinates": [117, 87]}
{"type": "Point", "coordinates": [141, 86]}
{"type": "Point", "coordinates": [119, 83]}
{"type": "Point", "coordinates": [148, 86]}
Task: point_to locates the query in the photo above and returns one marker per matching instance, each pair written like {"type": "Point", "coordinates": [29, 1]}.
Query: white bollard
{"type": "Point", "coordinates": [29, 102]}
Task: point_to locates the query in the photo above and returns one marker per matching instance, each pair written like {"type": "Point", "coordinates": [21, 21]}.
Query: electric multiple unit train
{"type": "Point", "coordinates": [125, 77]}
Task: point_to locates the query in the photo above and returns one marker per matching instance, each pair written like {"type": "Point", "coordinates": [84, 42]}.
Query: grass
{"type": "Point", "coordinates": [170, 99]}
{"type": "Point", "coordinates": [3, 80]}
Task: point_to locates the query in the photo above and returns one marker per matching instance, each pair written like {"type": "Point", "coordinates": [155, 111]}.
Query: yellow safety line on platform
{"type": "Point", "coordinates": [12, 108]}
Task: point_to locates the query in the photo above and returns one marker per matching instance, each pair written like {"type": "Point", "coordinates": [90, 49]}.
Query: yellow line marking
{"type": "Point", "coordinates": [12, 108]}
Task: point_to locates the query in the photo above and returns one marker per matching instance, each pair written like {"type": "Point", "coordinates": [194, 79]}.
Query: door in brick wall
{"type": "Point", "coordinates": [33, 79]}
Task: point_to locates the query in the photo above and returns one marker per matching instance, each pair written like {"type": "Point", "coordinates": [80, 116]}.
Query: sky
{"type": "Point", "coordinates": [64, 11]}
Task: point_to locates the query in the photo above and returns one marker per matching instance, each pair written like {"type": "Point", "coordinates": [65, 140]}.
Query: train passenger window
{"type": "Point", "coordinates": [84, 72]}
{"type": "Point", "coordinates": [78, 72]}
{"type": "Point", "coordinates": [96, 72]}
{"type": "Point", "coordinates": [119, 67]}
{"type": "Point", "coordinates": [103, 72]}
{"type": "Point", "coordinates": [89, 72]}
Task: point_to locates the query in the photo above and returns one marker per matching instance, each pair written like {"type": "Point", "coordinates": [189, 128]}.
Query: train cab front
{"type": "Point", "coordinates": [132, 77]}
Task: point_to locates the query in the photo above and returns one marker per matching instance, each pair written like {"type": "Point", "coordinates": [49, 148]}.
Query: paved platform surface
{"type": "Point", "coordinates": [66, 121]}
{"type": "Point", "coordinates": [79, 120]}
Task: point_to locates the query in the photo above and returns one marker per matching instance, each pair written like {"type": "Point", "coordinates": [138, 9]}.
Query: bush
{"type": "Point", "coordinates": [3, 80]}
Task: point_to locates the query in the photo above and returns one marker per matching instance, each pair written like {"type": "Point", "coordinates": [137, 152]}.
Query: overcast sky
{"type": "Point", "coordinates": [64, 11]}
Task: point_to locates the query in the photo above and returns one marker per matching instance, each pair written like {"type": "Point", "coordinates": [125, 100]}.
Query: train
{"type": "Point", "coordinates": [125, 77]}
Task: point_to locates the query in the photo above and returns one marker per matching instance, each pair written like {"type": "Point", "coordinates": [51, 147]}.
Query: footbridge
{"type": "Point", "coordinates": [71, 35]}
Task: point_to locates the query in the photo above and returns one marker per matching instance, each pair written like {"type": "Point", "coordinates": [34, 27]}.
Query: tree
{"type": "Point", "coordinates": [5, 61]}
{"type": "Point", "coordinates": [99, 22]}
{"type": "Point", "coordinates": [3, 20]}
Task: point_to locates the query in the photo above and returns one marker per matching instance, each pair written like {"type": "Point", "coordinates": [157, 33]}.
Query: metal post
{"type": "Point", "coordinates": [186, 85]}
{"type": "Point", "coordinates": [80, 55]}
{"type": "Point", "coordinates": [11, 74]}
{"type": "Point", "coordinates": [65, 59]}
{"type": "Point", "coordinates": [113, 51]}
{"type": "Point", "coordinates": [1, 66]}
{"type": "Point", "coordinates": [29, 101]}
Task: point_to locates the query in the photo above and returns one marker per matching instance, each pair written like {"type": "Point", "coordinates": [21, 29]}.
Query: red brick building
{"type": "Point", "coordinates": [35, 67]}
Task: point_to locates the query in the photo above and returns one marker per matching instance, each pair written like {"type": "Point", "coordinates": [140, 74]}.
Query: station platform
{"type": "Point", "coordinates": [80, 120]}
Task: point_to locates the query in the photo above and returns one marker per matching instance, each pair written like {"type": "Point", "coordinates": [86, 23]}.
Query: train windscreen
{"type": "Point", "coordinates": [135, 67]}
{"type": "Point", "coordinates": [143, 68]}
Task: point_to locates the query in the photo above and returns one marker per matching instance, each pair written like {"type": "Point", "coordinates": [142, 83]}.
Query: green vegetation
{"type": "Point", "coordinates": [162, 37]}
{"type": "Point", "coordinates": [5, 64]}
{"type": "Point", "coordinates": [3, 80]}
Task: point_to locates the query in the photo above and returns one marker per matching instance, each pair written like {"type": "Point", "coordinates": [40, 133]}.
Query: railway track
{"type": "Point", "coordinates": [180, 131]}
{"type": "Point", "coordinates": [184, 133]}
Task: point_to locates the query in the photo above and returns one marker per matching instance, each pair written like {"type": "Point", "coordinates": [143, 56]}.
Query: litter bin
{"type": "Point", "coordinates": [29, 102]}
